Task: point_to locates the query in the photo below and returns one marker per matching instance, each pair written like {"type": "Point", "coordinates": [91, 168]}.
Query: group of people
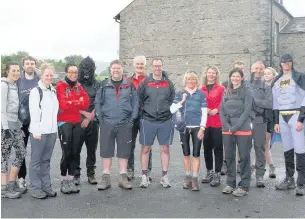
{"type": "Point", "coordinates": [238, 113]}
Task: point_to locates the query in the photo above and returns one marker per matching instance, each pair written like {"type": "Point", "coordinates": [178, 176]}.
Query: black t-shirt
{"type": "Point", "coordinates": [210, 87]}
{"type": "Point", "coordinates": [117, 84]}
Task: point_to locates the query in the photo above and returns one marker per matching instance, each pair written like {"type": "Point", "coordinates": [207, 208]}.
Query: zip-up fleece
{"type": "Point", "coordinates": [236, 109]}
{"type": "Point", "coordinates": [136, 80]}
{"type": "Point", "coordinates": [214, 98]}
{"type": "Point", "coordinates": [43, 118]}
{"type": "Point", "coordinates": [262, 99]}
{"type": "Point", "coordinates": [156, 98]}
{"type": "Point", "coordinates": [70, 103]}
{"type": "Point", "coordinates": [9, 105]}
{"type": "Point", "coordinates": [117, 107]}
{"type": "Point", "coordinates": [192, 107]}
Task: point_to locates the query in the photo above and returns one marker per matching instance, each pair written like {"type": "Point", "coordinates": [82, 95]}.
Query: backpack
{"type": "Point", "coordinates": [179, 119]}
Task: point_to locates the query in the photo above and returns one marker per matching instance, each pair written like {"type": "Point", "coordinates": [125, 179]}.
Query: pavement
{"type": "Point", "coordinates": [157, 201]}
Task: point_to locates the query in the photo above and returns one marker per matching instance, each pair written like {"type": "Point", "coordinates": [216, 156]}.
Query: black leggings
{"type": "Point", "coordinates": [213, 140]}
{"type": "Point", "coordinates": [69, 136]}
{"type": "Point", "coordinates": [185, 142]}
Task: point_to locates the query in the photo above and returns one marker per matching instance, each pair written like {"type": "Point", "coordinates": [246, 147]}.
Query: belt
{"type": "Point", "coordinates": [240, 133]}
{"type": "Point", "coordinates": [289, 112]}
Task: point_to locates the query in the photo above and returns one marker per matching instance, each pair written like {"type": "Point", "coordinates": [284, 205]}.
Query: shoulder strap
{"type": "Point", "coordinates": [8, 87]}
{"type": "Point", "coordinates": [40, 95]}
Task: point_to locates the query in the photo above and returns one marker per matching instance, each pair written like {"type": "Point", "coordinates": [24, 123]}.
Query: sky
{"type": "Point", "coordinates": [57, 28]}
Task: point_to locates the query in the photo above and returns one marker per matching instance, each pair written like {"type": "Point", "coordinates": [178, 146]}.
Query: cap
{"type": "Point", "coordinates": [286, 58]}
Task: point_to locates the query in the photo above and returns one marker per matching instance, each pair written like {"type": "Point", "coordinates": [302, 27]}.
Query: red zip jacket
{"type": "Point", "coordinates": [70, 103]}
{"type": "Point", "coordinates": [136, 81]}
{"type": "Point", "coordinates": [214, 98]}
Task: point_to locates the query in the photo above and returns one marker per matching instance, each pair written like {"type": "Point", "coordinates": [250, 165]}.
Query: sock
{"type": "Point", "coordinates": [11, 182]}
{"type": "Point", "coordinates": [69, 177]}
{"type": "Point", "coordinates": [123, 172]}
{"type": "Point", "coordinates": [188, 173]}
{"type": "Point", "coordinates": [271, 165]}
{"type": "Point", "coordinates": [195, 174]}
{"type": "Point", "coordinates": [164, 173]}
{"type": "Point", "coordinates": [106, 171]}
{"type": "Point", "coordinates": [62, 178]}
{"type": "Point", "coordinates": [144, 172]}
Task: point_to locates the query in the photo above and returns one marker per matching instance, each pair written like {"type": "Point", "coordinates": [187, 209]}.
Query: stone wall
{"type": "Point", "coordinates": [189, 34]}
{"type": "Point", "coordinates": [294, 43]}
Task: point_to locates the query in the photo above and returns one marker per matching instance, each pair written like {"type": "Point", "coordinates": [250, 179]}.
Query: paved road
{"type": "Point", "coordinates": [157, 201]}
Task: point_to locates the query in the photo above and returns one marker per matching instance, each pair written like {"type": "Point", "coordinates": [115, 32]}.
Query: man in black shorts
{"type": "Point", "coordinates": [116, 106]}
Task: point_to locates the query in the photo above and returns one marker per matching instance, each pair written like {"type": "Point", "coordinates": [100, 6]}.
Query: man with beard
{"type": "Point", "coordinates": [89, 133]}
{"type": "Point", "coordinates": [27, 81]}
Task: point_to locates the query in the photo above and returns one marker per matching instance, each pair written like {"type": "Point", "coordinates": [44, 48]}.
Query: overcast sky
{"type": "Point", "coordinates": [57, 28]}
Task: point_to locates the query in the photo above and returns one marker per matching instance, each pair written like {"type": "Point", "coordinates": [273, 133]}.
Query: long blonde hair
{"type": "Point", "coordinates": [204, 75]}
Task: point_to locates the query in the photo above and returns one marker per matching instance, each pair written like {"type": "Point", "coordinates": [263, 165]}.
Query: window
{"type": "Point", "coordinates": [276, 37]}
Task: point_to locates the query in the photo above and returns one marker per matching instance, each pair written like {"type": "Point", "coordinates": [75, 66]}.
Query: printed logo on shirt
{"type": "Point", "coordinates": [285, 83]}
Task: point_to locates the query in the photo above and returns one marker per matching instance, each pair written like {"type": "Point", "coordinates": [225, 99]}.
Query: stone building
{"type": "Point", "coordinates": [189, 34]}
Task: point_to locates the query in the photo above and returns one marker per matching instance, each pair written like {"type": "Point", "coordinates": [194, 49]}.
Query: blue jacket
{"type": "Point", "coordinates": [191, 108]}
{"type": "Point", "coordinates": [114, 107]}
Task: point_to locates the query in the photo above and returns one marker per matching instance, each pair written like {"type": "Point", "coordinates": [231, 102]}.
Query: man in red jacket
{"type": "Point", "coordinates": [72, 99]}
{"type": "Point", "coordinates": [139, 64]}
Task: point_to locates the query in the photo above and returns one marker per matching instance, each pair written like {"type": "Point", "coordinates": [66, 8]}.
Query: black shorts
{"type": "Point", "coordinates": [111, 134]}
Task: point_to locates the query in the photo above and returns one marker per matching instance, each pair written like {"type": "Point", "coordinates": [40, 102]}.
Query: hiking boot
{"type": "Point", "coordinates": [39, 195]}
{"type": "Point", "coordinates": [227, 190]}
{"type": "Point", "coordinates": [300, 190]}
{"type": "Point", "coordinates": [208, 177]}
{"type": "Point", "coordinates": [187, 184]}
{"type": "Point", "coordinates": [130, 174]}
{"type": "Point", "coordinates": [50, 192]}
{"type": "Point", "coordinates": [272, 171]}
{"type": "Point", "coordinates": [64, 187]}
{"type": "Point", "coordinates": [124, 182]}
{"type": "Point", "coordinates": [21, 189]}
{"type": "Point", "coordinates": [195, 184]}
{"type": "Point", "coordinates": [76, 180]}
{"type": "Point", "coordinates": [224, 168]}
{"type": "Point", "coordinates": [238, 168]}
{"type": "Point", "coordinates": [105, 183]}
{"type": "Point", "coordinates": [260, 183]}
{"type": "Point", "coordinates": [287, 183]}
{"type": "Point", "coordinates": [165, 181]}
{"type": "Point", "coordinates": [7, 191]}
{"type": "Point", "coordinates": [240, 192]}
{"type": "Point", "coordinates": [215, 180]}
{"type": "Point", "coordinates": [144, 182]}
{"type": "Point", "coordinates": [73, 187]}
{"type": "Point", "coordinates": [92, 180]}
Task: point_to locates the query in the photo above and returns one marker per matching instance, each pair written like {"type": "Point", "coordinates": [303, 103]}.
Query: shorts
{"type": "Point", "coordinates": [121, 134]}
{"type": "Point", "coordinates": [163, 130]}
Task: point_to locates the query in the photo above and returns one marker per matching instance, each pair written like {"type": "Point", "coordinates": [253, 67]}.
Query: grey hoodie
{"type": "Point", "coordinates": [9, 105]}
{"type": "Point", "coordinates": [236, 109]}
{"type": "Point", "coordinates": [262, 100]}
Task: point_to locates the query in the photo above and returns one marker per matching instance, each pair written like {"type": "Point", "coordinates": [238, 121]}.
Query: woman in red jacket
{"type": "Point", "coordinates": [213, 136]}
{"type": "Point", "coordinates": [72, 99]}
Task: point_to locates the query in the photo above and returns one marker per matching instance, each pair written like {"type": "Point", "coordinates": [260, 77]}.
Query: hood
{"type": "Point", "coordinates": [86, 70]}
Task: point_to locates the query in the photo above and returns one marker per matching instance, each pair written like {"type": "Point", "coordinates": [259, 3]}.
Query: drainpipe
{"type": "Point", "coordinates": [271, 32]}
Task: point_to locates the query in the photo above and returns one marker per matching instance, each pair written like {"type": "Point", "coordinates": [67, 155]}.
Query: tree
{"type": "Point", "coordinates": [73, 58]}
